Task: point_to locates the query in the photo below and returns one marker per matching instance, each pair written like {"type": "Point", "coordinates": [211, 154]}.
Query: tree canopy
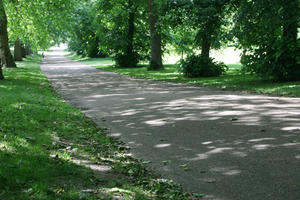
{"type": "Point", "coordinates": [134, 31]}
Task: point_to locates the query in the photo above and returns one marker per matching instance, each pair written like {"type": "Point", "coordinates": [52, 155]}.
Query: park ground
{"type": "Point", "coordinates": [50, 150]}
{"type": "Point", "coordinates": [74, 158]}
{"type": "Point", "coordinates": [223, 143]}
{"type": "Point", "coordinates": [235, 77]}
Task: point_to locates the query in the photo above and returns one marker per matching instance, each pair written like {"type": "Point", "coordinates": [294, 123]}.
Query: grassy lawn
{"type": "Point", "coordinates": [233, 79]}
{"type": "Point", "coordinates": [50, 151]}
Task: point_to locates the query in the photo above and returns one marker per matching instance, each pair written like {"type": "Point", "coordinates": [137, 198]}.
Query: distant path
{"type": "Point", "coordinates": [234, 146]}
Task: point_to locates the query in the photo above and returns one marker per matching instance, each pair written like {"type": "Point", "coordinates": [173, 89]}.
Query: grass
{"type": "Point", "coordinates": [43, 140]}
{"type": "Point", "coordinates": [233, 79]}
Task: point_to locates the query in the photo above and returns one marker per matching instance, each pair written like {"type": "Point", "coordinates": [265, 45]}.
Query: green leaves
{"type": "Point", "coordinates": [267, 31]}
{"type": "Point", "coordinates": [38, 23]}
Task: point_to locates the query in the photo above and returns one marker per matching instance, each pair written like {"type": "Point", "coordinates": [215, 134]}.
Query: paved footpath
{"type": "Point", "coordinates": [227, 145]}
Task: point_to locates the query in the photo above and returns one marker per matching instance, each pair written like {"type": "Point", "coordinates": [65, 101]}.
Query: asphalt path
{"type": "Point", "coordinates": [227, 145]}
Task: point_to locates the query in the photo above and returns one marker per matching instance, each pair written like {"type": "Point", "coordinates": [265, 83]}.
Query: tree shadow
{"type": "Point", "coordinates": [225, 144]}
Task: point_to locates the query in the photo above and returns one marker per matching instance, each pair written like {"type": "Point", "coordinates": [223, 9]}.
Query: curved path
{"type": "Point", "coordinates": [227, 145]}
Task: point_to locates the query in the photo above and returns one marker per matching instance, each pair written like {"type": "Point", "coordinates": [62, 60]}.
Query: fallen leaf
{"type": "Point", "coordinates": [183, 166]}
{"type": "Point", "coordinates": [186, 169]}
{"type": "Point", "coordinates": [234, 119]}
{"type": "Point", "coordinates": [165, 162]}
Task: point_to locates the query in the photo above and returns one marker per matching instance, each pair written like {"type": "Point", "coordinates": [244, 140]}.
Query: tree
{"type": "Point", "coordinates": [210, 17]}
{"type": "Point", "coordinates": [207, 21]}
{"type": "Point", "coordinates": [6, 59]}
{"type": "Point", "coordinates": [267, 31]}
{"type": "Point", "coordinates": [39, 23]}
{"type": "Point", "coordinates": [289, 46]}
{"type": "Point", "coordinates": [155, 36]}
{"type": "Point", "coordinates": [18, 51]}
{"type": "Point", "coordinates": [122, 31]}
{"type": "Point", "coordinates": [83, 38]}
{"type": "Point", "coordinates": [5, 54]}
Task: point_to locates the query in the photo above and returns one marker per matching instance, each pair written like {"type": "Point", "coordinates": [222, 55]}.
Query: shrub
{"type": "Point", "coordinates": [270, 64]}
{"type": "Point", "coordinates": [198, 66]}
{"type": "Point", "coordinates": [124, 60]}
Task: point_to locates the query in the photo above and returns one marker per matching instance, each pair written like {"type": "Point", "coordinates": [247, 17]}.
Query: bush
{"type": "Point", "coordinates": [124, 60]}
{"type": "Point", "coordinates": [270, 64]}
{"type": "Point", "coordinates": [198, 66]}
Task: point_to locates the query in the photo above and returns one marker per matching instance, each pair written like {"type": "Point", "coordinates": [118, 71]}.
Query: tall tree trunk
{"type": "Point", "coordinates": [206, 41]}
{"type": "Point", "coordinates": [205, 49]}
{"type": "Point", "coordinates": [18, 55]}
{"type": "Point", "coordinates": [290, 22]}
{"type": "Point", "coordinates": [23, 50]}
{"type": "Point", "coordinates": [28, 50]}
{"type": "Point", "coordinates": [5, 51]}
{"type": "Point", "coordinates": [131, 29]}
{"type": "Point", "coordinates": [156, 52]}
{"type": "Point", "coordinates": [1, 73]}
{"type": "Point", "coordinates": [289, 38]}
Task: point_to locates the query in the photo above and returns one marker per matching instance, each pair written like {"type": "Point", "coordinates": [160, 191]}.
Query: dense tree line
{"type": "Point", "coordinates": [266, 31]}
{"type": "Point", "coordinates": [31, 25]}
{"type": "Point", "coordinates": [132, 31]}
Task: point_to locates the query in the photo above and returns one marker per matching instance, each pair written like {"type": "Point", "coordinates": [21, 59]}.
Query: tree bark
{"type": "Point", "coordinates": [206, 41]}
{"type": "Point", "coordinates": [131, 29]}
{"type": "Point", "coordinates": [155, 40]}
{"type": "Point", "coordinates": [1, 73]}
{"type": "Point", "coordinates": [28, 50]}
{"type": "Point", "coordinates": [290, 21]}
{"type": "Point", "coordinates": [23, 51]}
{"type": "Point", "coordinates": [8, 60]}
{"type": "Point", "coordinates": [205, 49]}
{"type": "Point", "coordinates": [18, 55]}
{"type": "Point", "coordinates": [289, 38]}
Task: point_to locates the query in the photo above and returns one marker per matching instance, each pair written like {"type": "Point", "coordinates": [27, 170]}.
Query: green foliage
{"type": "Point", "coordinates": [234, 78]}
{"type": "Point", "coordinates": [124, 60]}
{"type": "Point", "coordinates": [199, 66]}
{"type": "Point", "coordinates": [83, 38]}
{"type": "Point", "coordinates": [39, 23]}
{"type": "Point", "coordinates": [190, 19]}
{"type": "Point", "coordinates": [211, 18]}
{"type": "Point", "coordinates": [122, 30]}
{"type": "Point", "coordinates": [267, 31]}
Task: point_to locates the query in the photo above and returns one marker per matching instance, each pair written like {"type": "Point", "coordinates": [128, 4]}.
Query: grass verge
{"type": "Point", "coordinates": [50, 151]}
{"type": "Point", "coordinates": [233, 79]}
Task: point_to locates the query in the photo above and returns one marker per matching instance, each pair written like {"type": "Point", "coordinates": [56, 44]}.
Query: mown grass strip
{"type": "Point", "coordinates": [233, 79]}
{"type": "Point", "coordinates": [50, 150]}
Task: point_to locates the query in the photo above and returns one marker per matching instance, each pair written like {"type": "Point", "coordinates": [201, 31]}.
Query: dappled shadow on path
{"type": "Point", "coordinates": [225, 144]}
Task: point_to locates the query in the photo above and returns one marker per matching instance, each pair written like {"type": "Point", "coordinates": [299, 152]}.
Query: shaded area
{"type": "Point", "coordinates": [234, 78]}
{"type": "Point", "coordinates": [49, 150]}
{"type": "Point", "coordinates": [228, 145]}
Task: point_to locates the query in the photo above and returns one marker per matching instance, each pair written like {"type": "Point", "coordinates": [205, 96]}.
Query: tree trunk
{"type": "Point", "coordinates": [5, 51]}
{"type": "Point", "coordinates": [23, 51]}
{"type": "Point", "coordinates": [206, 41]}
{"type": "Point", "coordinates": [290, 22]}
{"type": "Point", "coordinates": [131, 29]}
{"type": "Point", "coordinates": [18, 55]}
{"type": "Point", "coordinates": [1, 73]}
{"type": "Point", "coordinates": [205, 49]}
{"type": "Point", "coordinates": [289, 38]}
{"type": "Point", "coordinates": [156, 52]}
{"type": "Point", "coordinates": [28, 50]}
